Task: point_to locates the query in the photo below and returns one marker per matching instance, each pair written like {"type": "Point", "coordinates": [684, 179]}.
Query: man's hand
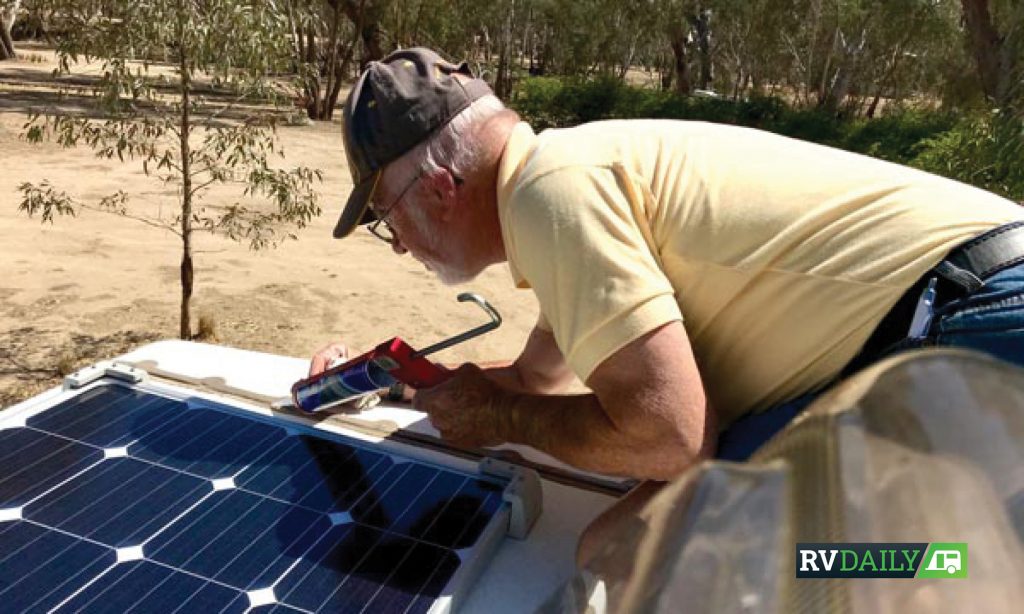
{"type": "Point", "coordinates": [648, 416]}
{"type": "Point", "coordinates": [326, 356]}
{"type": "Point", "coordinates": [464, 408]}
{"type": "Point", "coordinates": [338, 351]}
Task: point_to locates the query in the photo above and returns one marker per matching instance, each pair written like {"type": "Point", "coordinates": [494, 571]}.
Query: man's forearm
{"type": "Point", "coordinates": [514, 377]}
{"type": "Point", "coordinates": [575, 429]}
{"type": "Point", "coordinates": [540, 368]}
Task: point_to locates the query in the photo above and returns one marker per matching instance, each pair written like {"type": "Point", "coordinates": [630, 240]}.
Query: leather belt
{"type": "Point", "coordinates": [960, 273]}
{"type": "Point", "coordinates": [970, 264]}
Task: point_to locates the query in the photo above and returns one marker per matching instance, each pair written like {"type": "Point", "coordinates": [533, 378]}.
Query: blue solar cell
{"type": "Point", "coordinates": [206, 442]}
{"type": "Point", "coordinates": [373, 570]}
{"type": "Point", "coordinates": [34, 462]}
{"type": "Point", "coordinates": [239, 538]}
{"type": "Point", "coordinates": [352, 564]}
{"type": "Point", "coordinates": [277, 608]}
{"type": "Point", "coordinates": [316, 473]}
{"type": "Point", "coordinates": [460, 522]}
{"type": "Point", "coordinates": [144, 586]}
{"type": "Point", "coordinates": [108, 416]}
{"type": "Point", "coordinates": [120, 502]}
{"type": "Point", "coordinates": [408, 481]}
{"type": "Point", "coordinates": [40, 568]}
{"type": "Point", "coordinates": [219, 506]}
{"type": "Point", "coordinates": [442, 570]}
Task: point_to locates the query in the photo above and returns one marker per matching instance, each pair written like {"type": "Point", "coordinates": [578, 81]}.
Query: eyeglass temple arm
{"type": "Point", "coordinates": [469, 334]}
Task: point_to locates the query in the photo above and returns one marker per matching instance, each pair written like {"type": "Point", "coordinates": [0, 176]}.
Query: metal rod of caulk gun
{"type": "Point", "coordinates": [469, 334]}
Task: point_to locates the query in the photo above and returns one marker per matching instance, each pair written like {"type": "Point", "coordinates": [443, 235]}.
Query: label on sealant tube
{"type": "Point", "coordinates": [343, 386]}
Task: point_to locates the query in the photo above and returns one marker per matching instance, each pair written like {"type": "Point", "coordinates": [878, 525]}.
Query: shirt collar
{"type": "Point", "coordinates": [521, 143]}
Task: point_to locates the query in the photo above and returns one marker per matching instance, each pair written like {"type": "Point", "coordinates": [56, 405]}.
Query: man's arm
{"type": "Point", "coordinates": [648, 416]}
{"type": "Point", "coordinates": [540, 368]}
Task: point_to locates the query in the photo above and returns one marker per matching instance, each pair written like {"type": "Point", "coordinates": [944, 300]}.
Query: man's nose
{"type": "Point", "coordinates": [398, 248]}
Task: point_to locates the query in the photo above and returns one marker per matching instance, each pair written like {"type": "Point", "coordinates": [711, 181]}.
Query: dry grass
{"type": "Point", "coordinates": [207, 329]}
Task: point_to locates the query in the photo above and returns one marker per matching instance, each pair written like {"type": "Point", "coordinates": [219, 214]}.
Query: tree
{"type": "Point", "coordinates": [366, 16]}
{"type": "Point", "coordinates": [701, 23]}
{"type": "Point", "coordinates": [177, 121]}
{"type": "Point", "coordinates": [687, 28]}
{"type": "Point", "coordinates": [8, 13]}
{"type": "Point", "coordinates": [323, 49]}
{"type": "Point", "coordinates": [997, 51]}
{"type": "Point", "coordinates": [678, 38]}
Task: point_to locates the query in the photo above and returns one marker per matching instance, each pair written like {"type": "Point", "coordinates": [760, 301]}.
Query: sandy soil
{"type": "Point", "coordinates": [88, 288]}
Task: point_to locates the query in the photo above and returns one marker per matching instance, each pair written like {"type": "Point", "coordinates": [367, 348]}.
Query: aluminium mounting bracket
{"type": "Point", "coordinates": [106, 368]}
{"type": "Point", "coordinates": [523, 494]}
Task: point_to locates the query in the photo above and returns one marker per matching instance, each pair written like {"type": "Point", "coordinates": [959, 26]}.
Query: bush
{"type": "Point", "coordinates": [982, 151]}
{"type": "Point", "coordinates": [536, 100]}
{"type": "Point", "coordinates": [897, 136]}
{"type": "Point", "coordinates": [986, 151]}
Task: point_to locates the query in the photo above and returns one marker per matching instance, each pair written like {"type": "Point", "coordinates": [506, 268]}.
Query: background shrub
{"type": "Point", "coordinates": [986, 150]}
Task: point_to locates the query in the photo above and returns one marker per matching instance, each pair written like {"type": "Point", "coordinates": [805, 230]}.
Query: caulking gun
{"type": "Point", "coordinates": [391, 361]}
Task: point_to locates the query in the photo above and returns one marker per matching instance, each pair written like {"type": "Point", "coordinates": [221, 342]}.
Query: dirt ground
{"type": "Point", "coordinates": [89, 288]}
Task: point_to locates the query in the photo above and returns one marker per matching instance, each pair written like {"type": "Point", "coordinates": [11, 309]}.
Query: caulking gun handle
{"type": "Point", "coordinates": [422, 373]}
{"type": "Point", "coordinates": [441, 376]}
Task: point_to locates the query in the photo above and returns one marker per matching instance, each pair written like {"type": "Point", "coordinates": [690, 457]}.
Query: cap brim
{"type": "Point", "coordinates": [357, 210]}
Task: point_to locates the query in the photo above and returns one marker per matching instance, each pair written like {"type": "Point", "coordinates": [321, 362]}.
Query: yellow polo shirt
{"type": "Point", "coordinates": [780, 256]}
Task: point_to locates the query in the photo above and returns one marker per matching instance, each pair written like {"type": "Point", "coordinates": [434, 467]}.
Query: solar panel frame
{"type": "Point", "coordinates": [472, 559]}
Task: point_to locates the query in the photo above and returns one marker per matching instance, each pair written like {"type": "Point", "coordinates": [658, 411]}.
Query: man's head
{"type": "Point", "coordinates": [424, 139]}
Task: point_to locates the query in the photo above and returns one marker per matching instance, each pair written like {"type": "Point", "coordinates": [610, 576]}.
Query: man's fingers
{"type": "Point", "coordinates": [323, 359]}
{"type": "Point", "coordinates": [316, 367]}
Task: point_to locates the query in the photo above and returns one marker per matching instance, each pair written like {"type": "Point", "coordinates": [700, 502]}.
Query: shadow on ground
{"type": "Point", "coordinates": [27, 89]}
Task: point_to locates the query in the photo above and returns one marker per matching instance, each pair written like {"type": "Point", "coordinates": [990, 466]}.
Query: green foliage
{"type": "Point", "coordinates": [175, 74]}
{"type": "Point", "coordinates": [45, 201]}
{"type": "Point", "coordinates": [898, 136]}
{"type": "Point", "coordinates": [323, 41]}
{"type": "Point", "coordinates": [151, 117]}
{"type": "Point", "coordinates": [986, 151]}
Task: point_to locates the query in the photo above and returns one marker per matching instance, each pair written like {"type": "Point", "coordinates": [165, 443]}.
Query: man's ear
{"type": "Point", "coordinates": [441, 186]}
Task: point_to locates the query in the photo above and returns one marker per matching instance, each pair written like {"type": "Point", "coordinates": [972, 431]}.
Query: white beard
{"type": "Point", "coordinates": [450, 275]}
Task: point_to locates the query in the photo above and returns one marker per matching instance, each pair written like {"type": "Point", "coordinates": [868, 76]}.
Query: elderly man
{"type": "Point", "coordinates": [704, 281]}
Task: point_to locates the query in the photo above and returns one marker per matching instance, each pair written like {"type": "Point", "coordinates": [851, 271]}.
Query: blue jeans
{"type": "Point", "coordinates": [989, 320]}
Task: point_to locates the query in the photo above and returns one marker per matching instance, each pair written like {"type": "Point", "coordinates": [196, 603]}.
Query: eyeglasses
{"type": "Point", "coordinates": [381, 228]}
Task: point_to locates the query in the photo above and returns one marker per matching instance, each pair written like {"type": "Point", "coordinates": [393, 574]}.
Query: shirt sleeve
{"type": "Point", "coordinates": [575, 240]}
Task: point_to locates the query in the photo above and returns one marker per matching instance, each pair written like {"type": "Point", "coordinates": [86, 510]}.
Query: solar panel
{"type": "Point", "coordinates": [121, 500]}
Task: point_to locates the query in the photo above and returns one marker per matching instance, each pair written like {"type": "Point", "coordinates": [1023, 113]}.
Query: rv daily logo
{"type": "Point", "coordinates": [881, 560]}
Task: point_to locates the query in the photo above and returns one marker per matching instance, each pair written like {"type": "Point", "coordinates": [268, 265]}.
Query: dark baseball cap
{"type": "Point", "coordinates": [396, 104]}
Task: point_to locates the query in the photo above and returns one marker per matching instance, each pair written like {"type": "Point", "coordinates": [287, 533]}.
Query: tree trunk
{"type": "Point", "coordinates": [365, 16]}
{"type": "Point", "coordinates": [312, 87]}
{"type": "Point", "coordinates": [986, 43]}
{"type": "Point", "coordinates": [873, 107]}
{"type": "Point", "coordinates": [7, 17]}
{"type": "Point", "coordinates": [185, 330]}
{"type": "Point", "coordinates": [326, 110]}
{"type": "Point", "coordinates": [702, 27]}
{"type": "Point", "coordinates": [663, 67]}
{"type": "Point", "coordinates": [627, 60]}
{"type": "Point", "coordinates": [503, 80]}
{"type": "Point", "coordinates": [836, 91]}
{"type": "Point", "coordinates": [683, 85]}
{"type": "Point", "coordinates": [7, 51]}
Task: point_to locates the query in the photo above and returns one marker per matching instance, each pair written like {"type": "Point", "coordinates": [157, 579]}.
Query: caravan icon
{"type": "Point", "coordinates": [945, 559]}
